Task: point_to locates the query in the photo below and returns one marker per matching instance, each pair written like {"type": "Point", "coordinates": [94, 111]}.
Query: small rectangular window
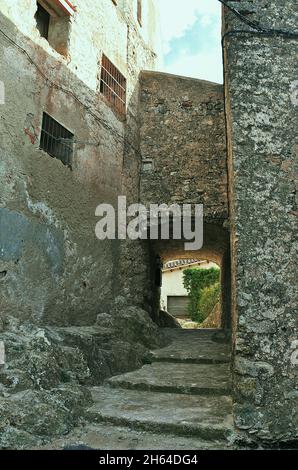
{"type": "Point", "coordinates": [42, 21]}
{"type": "Point", "coordinates": [147, 165]}
{"type": "Point", "coordinates": [113, 85]}
{"type": "Point", "coordinates": [139, 12]}
{"type": "Point", "coordinates": [56, 140]}
{"type": "Point", "coordinates": [53, 23]}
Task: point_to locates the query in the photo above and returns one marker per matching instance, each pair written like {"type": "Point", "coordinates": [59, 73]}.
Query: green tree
{"type": "Point", "coordinates": [195, 280]}
{"type": "Point", "coordinates": [210, 296]}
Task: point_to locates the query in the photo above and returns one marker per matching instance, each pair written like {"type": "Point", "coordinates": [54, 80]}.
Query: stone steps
{"type": "Point", "coordinates": [183, 393]}
{"type": "Point", "coordinates": [152, 357]}
{"type": "Point", "coordinates": [192, 347]}
{"type": "Point", "coordinates": [105, 436]}
{"type": "Point", "coordinates": [195, 379]}
{"type": "Point", "coordinates": [207, 418]}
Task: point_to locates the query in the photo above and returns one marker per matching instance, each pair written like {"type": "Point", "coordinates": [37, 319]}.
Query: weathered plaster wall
{"type": "Point", "coordinates": [261, 98]}
{"type": "Point", "coordinates": [183, 135]}
{"type": "Point", "coordinates": [96, 26]}
{"type": "Point", "coordinates": [53, 269]}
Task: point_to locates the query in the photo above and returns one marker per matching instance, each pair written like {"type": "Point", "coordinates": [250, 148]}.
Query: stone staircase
{"type": "Point", "coordinates": [182, 391]}
{"type": "Point", "coordinates": [180, 399]}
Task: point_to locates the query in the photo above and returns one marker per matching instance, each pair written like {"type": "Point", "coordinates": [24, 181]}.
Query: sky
{"type": "Point", "coordinates": [191, 38]}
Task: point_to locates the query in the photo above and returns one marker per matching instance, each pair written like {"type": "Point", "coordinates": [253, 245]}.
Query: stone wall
{"type": "Point", "coordinates": [183, 153]}
{"type": "Point", "coordinates": [183, 145]}
{"type": "Point", "coordinates": [53, 269]}
{"type": "Point", "coordinates": [261, 100]}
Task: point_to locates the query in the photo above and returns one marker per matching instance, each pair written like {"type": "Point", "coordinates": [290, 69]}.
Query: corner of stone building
{"type": "Point", "coordinates": [263, 244]}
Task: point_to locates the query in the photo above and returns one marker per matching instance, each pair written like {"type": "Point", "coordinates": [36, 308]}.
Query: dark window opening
{"type": "Point", "coordinates": [139, 12]}
{"type": "Point", "coordinates": [113, 85]}
{"type": "Point", "coordinates": [53, 25]}
{"type": "Point", "coordinates": [56, 140]}
{"type": "Point", "coordinates": [42, 21]}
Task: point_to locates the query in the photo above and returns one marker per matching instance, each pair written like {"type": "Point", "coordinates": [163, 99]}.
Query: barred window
{"type": "Point", "coordinates": [113, 85]}
{"type": "Point", "coordinates": [56, 140]}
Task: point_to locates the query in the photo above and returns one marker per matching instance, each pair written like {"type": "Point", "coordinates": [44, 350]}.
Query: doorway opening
{"type": "Point", "coordinates": [190, 292]}
{"type": "Point", "coordinates": [210, 267]}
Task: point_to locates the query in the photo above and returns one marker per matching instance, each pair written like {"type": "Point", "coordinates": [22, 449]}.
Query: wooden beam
{"type": "Point", "coordinates": [66, 6]}
{"type": "Point", "coordinates": [48, 8]}
{"type": "Point", "coordinates": [58, 7]}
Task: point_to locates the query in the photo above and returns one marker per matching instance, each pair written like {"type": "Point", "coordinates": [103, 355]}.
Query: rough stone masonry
{"type": "Point", "coordinates": [262, 119]}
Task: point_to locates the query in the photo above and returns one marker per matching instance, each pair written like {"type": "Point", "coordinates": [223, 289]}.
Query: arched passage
{"type": "Point", "coordinates": [216, 248]}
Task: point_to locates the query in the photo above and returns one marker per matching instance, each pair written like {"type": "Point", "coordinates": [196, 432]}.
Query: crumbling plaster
{"type": "Point", "coordinates": [40, 197]}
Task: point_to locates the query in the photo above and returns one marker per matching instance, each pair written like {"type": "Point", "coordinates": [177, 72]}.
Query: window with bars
{"type": "Point", "coordinates": [56, 140]}
{"type": "Point", "coordinates": [113, 85]}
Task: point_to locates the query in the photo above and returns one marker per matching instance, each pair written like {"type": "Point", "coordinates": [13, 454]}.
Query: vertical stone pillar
{"type": "Point", "coordinates": [261, 83]}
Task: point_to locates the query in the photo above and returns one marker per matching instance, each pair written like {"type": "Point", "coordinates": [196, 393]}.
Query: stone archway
{"type": "Point", "coordinates": [216, 248]}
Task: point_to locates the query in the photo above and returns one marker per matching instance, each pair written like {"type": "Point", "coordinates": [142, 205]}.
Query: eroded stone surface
{"type": "Point", "coordinates": [43, 390]}
{"type": "Point", "coordinates": [32, 417]}
{"type": "Point", "coordinates": [203, 346]}
{"type": "Point", "coordinates": [171, 398]}
{"type": "Point", "coordinates": [108, 437]}
{"type": "Point", "coordinates": [206, 417]}
{"type": "Point", "coordinates": [200, 379]}
{"type": "Point", "coordinates": [262, 118]}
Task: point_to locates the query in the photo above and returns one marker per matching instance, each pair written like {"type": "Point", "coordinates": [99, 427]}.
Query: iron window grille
{"type": "Point", "coordinates": [113, 85]}
{"type": "Point", "coordinates": [56, 140]}
{"type": "Point", "coordinates": [42, 18]}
